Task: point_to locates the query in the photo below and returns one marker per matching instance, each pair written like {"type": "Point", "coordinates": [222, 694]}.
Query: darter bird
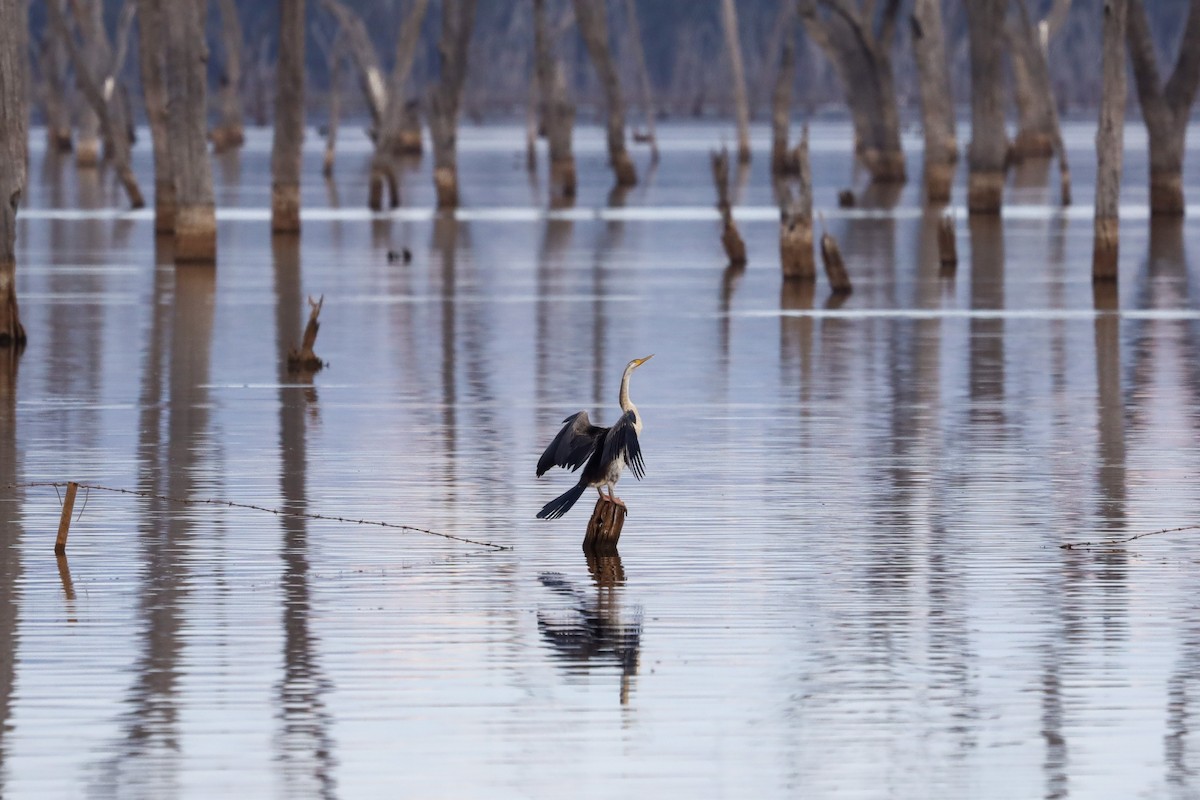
{"type": "Point", "coordinates": [606, 451]}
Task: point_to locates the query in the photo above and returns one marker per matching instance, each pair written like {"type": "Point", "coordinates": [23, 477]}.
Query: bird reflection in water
{"type": "Point", "coordinates": [593, 631]}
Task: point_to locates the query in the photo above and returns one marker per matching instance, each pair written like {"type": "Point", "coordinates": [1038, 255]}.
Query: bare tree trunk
{"type": "Point", "coordinates": [639, 60]}
{"type": "Point", "coordinates": [985, 155]}
{"type": "Point", "coordinates": [781, 100]}
{"type": "Point", "coordinates": [52, 63]}
{"type": "Point", "coordinates": [90, 19]}
{"type": "Point", "coordinates": [1165, 107]}
{"type": "Point", "coordinates": [731, 239]}
{"type": "Point", "coordinates": [1038, 131]}
{"type": "Point", "coordinates": [229, 134]}
{"type": "Point", "coordinates": [937, 101]}
{"type": "Point", "coordinates": [458, 18]}
{"type": "Point", "coordinates": [333, 65]}
{"type": "Point", "coordinates": [195, 218]}
{"type": "Point", "coordinates": [289, 120]}
{"type": "Point", "coordinates": [860, 50]}
{"type": "Point", "coordinates": [733, 45]}
{"type": "Point", "coordinates": [1110, 143]}
{"type": "Point", "coordinates": [390, 140]}
{"type": "Point", "coordinates": [151, 55]}
{"type": "Point", "coordinates": [14, 143]}
{"type": "Point", "coordinates": [593, 26]}
{"type": "Point", "coordinates": [370, 73]}
{"type": "Point", "coordinates": [558, 111]}
{"type": "Point", "coordinates": [795, 219]}
{"type": "Point", "coordinates": [90, 84]}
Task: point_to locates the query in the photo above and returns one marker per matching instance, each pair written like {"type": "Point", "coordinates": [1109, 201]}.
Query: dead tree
{"type": "Point", "coordinates": [593, 26]}
{"type": "Point", "coordinates": [1165, 106]}
{"type": "Point", "coordinates": [835, 265]}
{"type": "Point", "coordinates": [108, 113]}
{"type": "Point", "coordinates": [333, 52]}
{"type": "Point", "coordinates": [731, 240]}
{"type": "Point", "coordinates": [195, 216]}
{"type": "Point", "coordinates": [14, 134]}
{"type": "Point", "coordinates": [796, 219]}
{"type": "Point", "coordinates": [151, 57]}
{"type": "Point", "coordinates": [639, 62]}
{"type": "Point", "coordinates": [733, 45]}
{"type": "Point", "coordinates": [303, 359]}
{"type": "Point", "coordinates": [90, 19]}
{"type": "Point", "coordinates": [859, 47]}
{"type": "Point", "coordinates": [390, 139]}
{"type": "Point", "coordinates": [1038, 130]}
{"type": "Point", "coordinates": [558, 112]}
{"type": "Point", "coordinates": [781, 99]}
{"type": "Point", "coordinates": [289, 120]}
{"type": "Point", "coordinates": [229, 134]}
{"type": "Point", "coordinates": [458, 19]}
{"type": "Point", "coordinates": [365, 58]}
{"type": "Point", "coordinates": [986, 153]}
{"type": "Point", "coordinates": [52, 65]}
{"type": "Point", "coordinates": [1110, 143]}
{"type": "Point", "coordinates": [937, 101]}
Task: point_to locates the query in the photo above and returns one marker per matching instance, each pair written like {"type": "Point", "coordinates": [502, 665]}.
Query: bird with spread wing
{"type": "Point", "coordinates": [602, 452]}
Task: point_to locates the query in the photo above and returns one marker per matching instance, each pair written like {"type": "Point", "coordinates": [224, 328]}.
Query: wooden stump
{"type": "Point", "coordinates": [835, 266]}
{"type": "Point", "coordinates": [1105, 248]}
{"type": "Point", "coordinates": [604, 528]}
{"type": "Point", "coordinates": [985, 191]}
{"type": "Point", "coordinates": [947, 243]}
{"type": "Point", "coordinates": [796, 250]}
{"type": "Point", "coordinates": [303, 359]}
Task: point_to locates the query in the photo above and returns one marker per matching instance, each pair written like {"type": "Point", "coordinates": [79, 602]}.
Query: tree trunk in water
{"type": "Point", "coordinates": [781, 101]}
{"type": "Point", "coordinates": [14, 134]}
{"type": "Point", "coordinates": [986, 153]}
{"type": "Point", "coordinates": [390, 141]}
{"type": "Point", "coordinates": [289, 120]}
{"type": "Point", "coordinates": [195, 218]}
{"type": "Point", "coordinates": [151, 54]}
{"type": "Point", "coordinates": [90, 18]}
{"type": "Point", "coordinates": [558, 114]}
{"type": "Point", "coordinates": [731, 239]}
{"type": "Point", "coordinates": [112, 121]}
{"type": "Point", "coordinates": [229, 134]}
{"type": "Point", "coordinates": [1038, 132]}
{"type": "Point", "coordinates": [795, 220]}
{"type": "Point", "coordinates": [333, 65]}
{"type": "Point", "coordinates": [370, 73]}
{"type": "Point", "coordinates": [639, 60]}
{"type": "Point", "coordinates": [860, 52]}
{"type": "Point", "coordinates": [733, 45]}
{"type": "Point", "coordinates": [937, 102]}
{"type": "Point", "coordinates": [458, 18]}
{"type": "Point", "coordinates": [52, 61]}
{"type": "Point", "coordinates": [1110, 143]}
{"type": "Point", "coordinates": [593, 25]}
{"type": "Point", "coordinates": [1165, 107]}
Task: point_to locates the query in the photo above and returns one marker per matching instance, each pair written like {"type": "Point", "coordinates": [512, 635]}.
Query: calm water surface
{"type": "Point", "coordinates": [841, 576]}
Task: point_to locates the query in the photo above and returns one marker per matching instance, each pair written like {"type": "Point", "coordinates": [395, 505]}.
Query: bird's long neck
{"type": "Point", "coordinates": [626, 403]}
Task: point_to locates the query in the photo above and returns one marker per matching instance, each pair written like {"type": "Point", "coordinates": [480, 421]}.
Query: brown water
{"type": "Point", "coordinates": [841, 576]}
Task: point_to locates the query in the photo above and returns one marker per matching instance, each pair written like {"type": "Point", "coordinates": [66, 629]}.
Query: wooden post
{"type": "Point", "coordinates": [731, 240]}
{"type": "Point", "coordinates": [835, 266]}
{"type": "Point", "coordinates": [604, 528]}
{"type": "Point", "coordinates": [64, 522]}
{"type": "Point", "coordinates": [1110, 143]}
{"type": "Point", "coordinates": [947, 242]}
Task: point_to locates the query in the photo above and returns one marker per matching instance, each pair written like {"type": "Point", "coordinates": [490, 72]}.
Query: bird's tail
{"type": "Point", "coordinates": [562, 504]}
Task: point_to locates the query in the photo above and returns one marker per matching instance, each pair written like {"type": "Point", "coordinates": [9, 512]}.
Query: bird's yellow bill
{"type": "Point", "coordinates": [641, 361]}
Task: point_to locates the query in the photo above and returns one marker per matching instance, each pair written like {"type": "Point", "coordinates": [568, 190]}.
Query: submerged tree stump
{"type": "Point", "coordinates": [947, 243]}
{"type": "Point", "coordinates": [303, 359]}
{"type": "Point", "coordinates": [731, 239]}
{"type": "Point", "coordinates": [835, 265]}
{"type": "Point", "coordinates": [604, 528]}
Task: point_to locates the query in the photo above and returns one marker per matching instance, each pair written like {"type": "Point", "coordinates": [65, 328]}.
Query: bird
{"type": "Point", "coordinates": [602, 452]}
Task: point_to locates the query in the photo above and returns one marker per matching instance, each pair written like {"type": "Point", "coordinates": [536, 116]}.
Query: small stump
{"type": "Point", "coordinates": [303, 359]}
{"type": "Point", "coordinates": [604, 528]}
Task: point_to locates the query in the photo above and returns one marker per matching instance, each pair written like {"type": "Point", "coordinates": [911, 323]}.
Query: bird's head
{"type": "Point", "coordinates": [637, 362]}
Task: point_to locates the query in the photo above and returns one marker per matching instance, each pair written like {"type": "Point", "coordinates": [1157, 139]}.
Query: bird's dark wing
{"type": "Point", "coordinates": [573, 444]}
{"type": "Point", "coordinates": [622, 440]}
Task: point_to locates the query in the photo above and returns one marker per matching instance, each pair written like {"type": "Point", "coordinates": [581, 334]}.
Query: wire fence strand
{"type": "Point", "coordinates": [279, 512]}
{"type": "Point", "coordinates": [1126, 540]}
